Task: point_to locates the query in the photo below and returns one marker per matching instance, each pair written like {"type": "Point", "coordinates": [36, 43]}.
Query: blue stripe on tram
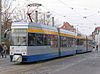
{"type": "Point", "coordinates": [69, 52]}
{"type": "Point", "coordinates": [39, 57]}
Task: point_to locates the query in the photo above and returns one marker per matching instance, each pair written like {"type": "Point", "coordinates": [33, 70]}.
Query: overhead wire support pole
{"type": "Point", "coordinates": [59, 42]}
{"type": "Point", "coordinates": [0, 19]}
{"type": "Point", "coordinates": [53, 21]}
{"type": "Point", "coordinates": [36, 16]}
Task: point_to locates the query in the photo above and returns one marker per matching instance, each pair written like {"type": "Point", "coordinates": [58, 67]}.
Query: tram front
{"type": "Point", "coordinates": [18, 46]}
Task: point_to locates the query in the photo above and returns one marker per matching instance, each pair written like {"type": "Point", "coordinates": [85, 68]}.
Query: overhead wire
{"type": "Point", "coordinates": [53, 11]}
{"type": "Point", "coordinates": [72, 8]}
{"type": "Point", "coordinates": [77, 12]}
{"type": "Point", "coordinates": [85, 17]}
{"type": "Point", "coordinates": [69, 7]}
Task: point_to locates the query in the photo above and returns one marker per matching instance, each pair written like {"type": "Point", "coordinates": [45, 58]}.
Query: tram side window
{"type": "Point", "coordinates": [80, 42]}
{"type": "Point", "coordinates": [46, 39]}
{"type": "Point", "coordinates": [31, 39]}
{"type": "Point", "coordinates": [53, 41]}
{"type": "Point", "coordinates": [38, 39]}
{"type": "Point", "coordinates": [63, 41]}
{"type": "Point", "coordinates": [74, 42]}
{"type": "Point", "coordinates": [67, 42]}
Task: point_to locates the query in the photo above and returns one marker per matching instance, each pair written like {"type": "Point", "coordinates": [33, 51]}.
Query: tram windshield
{"type": "Point", "coordinates": [19, 37]}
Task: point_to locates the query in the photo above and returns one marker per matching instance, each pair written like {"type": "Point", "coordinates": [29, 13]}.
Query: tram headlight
{"type": "Point", "coordinates": [24, 51]}
{"type": "Point", "coordinates": [17, 58]}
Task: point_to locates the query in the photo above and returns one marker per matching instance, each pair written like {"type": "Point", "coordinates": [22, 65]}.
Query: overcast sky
{"type": "Point", "coordinates": [83, 14]}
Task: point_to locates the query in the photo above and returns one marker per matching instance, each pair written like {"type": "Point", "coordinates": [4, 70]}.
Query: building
{"type": "Point", "coordinates": [96, 35]}
{"type": "Point", "coordinates": [67, 26]}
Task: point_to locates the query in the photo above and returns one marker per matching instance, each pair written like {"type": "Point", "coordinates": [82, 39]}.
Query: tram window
{"type": "Point", "coordinates": [38, 39]}
{"type": "Point", "coordinates": [64, 41]}
{"type": "Point", "coordinates": [18, 40]}
{"type": "Point", "coordinates": [74, 42]}
{"type": "Point", "coordinates": [67, 42]}
{"type": "Point", "coordinates": [22, 41]}
{"type": "Point", "coordinates": [35, 39]}
{"type": "Point", "coordinates": [31, 39]}
{"type": "Point", "coordinates": [46, 39]}
{"type": "Point", "coordinates": [53, 40]}
{"type": "Point", "coordinates": [80, 42]}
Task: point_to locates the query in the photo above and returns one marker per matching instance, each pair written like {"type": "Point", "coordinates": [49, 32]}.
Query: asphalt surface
{"type": "Point", "coordinates": [88, 63]}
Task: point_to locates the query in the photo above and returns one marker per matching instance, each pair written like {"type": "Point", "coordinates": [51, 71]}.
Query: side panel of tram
{"type": "Point", "coordinates": [39, 43]}
{"type": "Point", "coordinates": [35, 42]}
{"type": "Point", "coordinates": [67, 43]}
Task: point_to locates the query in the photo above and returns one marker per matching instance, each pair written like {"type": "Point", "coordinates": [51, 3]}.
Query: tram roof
{"type": "Point", "coordinates": [19, 25]}
{"type": "Point", "coordinates": [41, 26]}
{"type": "Point", "coordinates": [67, 32]}
{"type": "Point", "coordinates": [38, 25]}
{"type": "Point", "coordinates": [31, 25]}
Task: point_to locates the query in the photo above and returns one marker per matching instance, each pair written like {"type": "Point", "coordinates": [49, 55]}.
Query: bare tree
{"type": "Point", "coordinates": [7, 11]}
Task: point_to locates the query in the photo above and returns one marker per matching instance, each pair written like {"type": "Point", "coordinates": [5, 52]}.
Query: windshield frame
{"type": "Point", "coordinates": [19, 37]}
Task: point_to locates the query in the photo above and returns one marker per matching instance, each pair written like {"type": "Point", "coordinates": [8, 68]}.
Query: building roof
{"type": "Point", "coordinates": [67, 26]}
{"type": "Point", "coordinates": [97, 28]}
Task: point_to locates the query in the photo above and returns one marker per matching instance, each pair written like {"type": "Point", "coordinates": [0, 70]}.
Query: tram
{"type": "Point", "coordinates": [31, 42]}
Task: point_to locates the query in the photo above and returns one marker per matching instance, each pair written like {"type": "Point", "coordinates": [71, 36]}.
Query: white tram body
{"type": "Point", "coordinates": [34, 42]}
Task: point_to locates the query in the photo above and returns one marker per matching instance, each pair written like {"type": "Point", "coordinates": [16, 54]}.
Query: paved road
{"type": "Point", "coordinates": [88, 63]}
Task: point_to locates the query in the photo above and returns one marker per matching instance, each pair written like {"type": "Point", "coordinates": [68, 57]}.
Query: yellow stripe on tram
{"type": "Point", "coordinates": [67, 35]}
{"type": "Point", "coordinates": [49, 32]}
{"type": "Point", "coordinates": [42, 31]}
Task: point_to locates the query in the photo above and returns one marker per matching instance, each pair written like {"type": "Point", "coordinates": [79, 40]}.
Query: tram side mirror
{"type": "Point", "coordinates": [6, 33]}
